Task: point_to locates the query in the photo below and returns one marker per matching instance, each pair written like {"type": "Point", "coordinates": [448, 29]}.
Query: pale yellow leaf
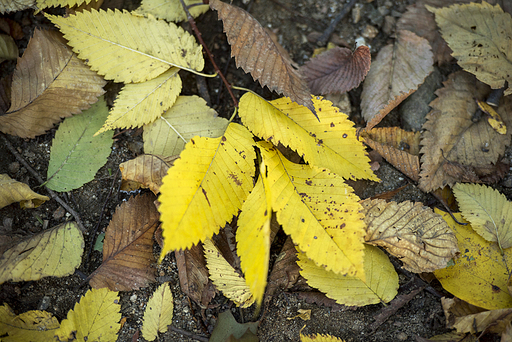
{"type": "Point", "coordinates": [225, 278]}
{"type": "Point", "coordinates": [29, 326]}
{"type": "Point", "coordinates": [95, 318]}
{"type": "Point", "coordinates": [329, 142]}
{"type": "Point", "coordinates": [158, 313]}
{"type": "Point", "coordinates": [172, 10]}
{"type": "Point", "coordinates": [188, 117]}
{"type": "Point", "coordinates": [142, 103]}
{"type": "Point", "coordinates": [126, 48]}
{"type": "Point", "coordinates": [13, 191]}
{"type": "Point", "coordinates": [54, 252]}
{"type": "Point", "coordinates": [319, 338]}
{"type": "Point", "coordinates": [42, 4]}
{"type": "Point", "coordinates": [319, 212]}
{"type": "Point", "coordinates": [206, 187]}
{"type": "Point", "coordinates": [381, 284]}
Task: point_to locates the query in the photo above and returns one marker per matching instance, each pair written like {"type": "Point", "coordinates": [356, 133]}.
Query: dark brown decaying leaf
{"type": "Point", "coordinates": [396, 73]}
{"type": "Point", "coordinates": [455, 147]}
{"type": "Point", "coordinates": [337, 70]}
{"type": "Point", "coordinates": [128, 247]}
{"type": "Point", "coordinates": [49, 83]}
{"type": "Point", "coordinates": [256, 53]}
{"type": "Point", "coordinates": [5, 94]}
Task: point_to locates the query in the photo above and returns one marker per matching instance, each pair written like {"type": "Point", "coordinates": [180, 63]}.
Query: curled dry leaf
{"type": "Point", "coordinates": [13, 191]}
{"type": "Point", "coordinates": [146, 171]}
{"type": "Point", "coordinates": [128, 247]}
{"type": "Point", "coordinates": [337, 70]}
{"type": "Point", "coordinates": [411, 232]}
{"type": "Point", "coordinates": [396, 73]}
{"type": "Point", "coordinates": [455, 147]}
{"type": "Point", "coordinates": [400, 148]}
{"type": "Point", "coordinates": [256, 53]}
{"type": "Point", "coordinates": [49, 83]}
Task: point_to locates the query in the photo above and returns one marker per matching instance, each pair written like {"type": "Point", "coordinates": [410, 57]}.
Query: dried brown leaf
{"type": "Point", "coordinates": [5, 94]}
{"type": "Point", "coordinates": [145, 171]}
{"type": "Point", "coordinates": [400, 148]}
{"type": "Point", "coordinates": [128, 247]}
{"type": "Point", "coordinates": [410, 231]}
{"type": "Point", "coordinates": [49, 83]}
{"type": "Point", "coordinates": [396, 73]}
{"type": "Point", "coordinates": [455, 148]}
{"type": "Point", "coordinates": [337, 70]}
{"type": "Point", "coordinates": [256, 53]}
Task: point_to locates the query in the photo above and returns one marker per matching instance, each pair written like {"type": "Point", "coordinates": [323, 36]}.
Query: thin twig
{"type": "Point", "coordinates": [41, 181]}
{"type": "Point", "coordinates": [327, 33]}
{"type": "Point", "coordinates": [210, 56]}
{"type": "Point", "coordinates": [188, 334]}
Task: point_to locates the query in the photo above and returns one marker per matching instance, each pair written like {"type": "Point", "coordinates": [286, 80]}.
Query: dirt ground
{"type": "Point", "coordinates": [293, 22]}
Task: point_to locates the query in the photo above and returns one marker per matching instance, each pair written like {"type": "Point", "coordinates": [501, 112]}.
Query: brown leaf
{"type": "Point", "coordinates": [257, 54]}
{"type": "Point", "coordinates": [11, 27]}
{"type": "Point", "coordinates": [320, 298]}
{"type": "Point", "coordinates": [396, 73]}
{"type": "Point", "coordinates": [410, 231]}
{"type": "Point", "coordinates": [337, 70]}
{"type": "Point", "coordinates": [5, 94]}
{"type": "Point", "coordinates": [128, 247]}
{"type": "Point", "coordinates": [193, 274]}
{"type": "Point", "coordinates": [400, 148]}
{"type": "Point", "coordinates": [146, 171]}
{"type": "Point", "coordinates": [455, 147]}
{"type": "Point", "coordinates": [49, 83]}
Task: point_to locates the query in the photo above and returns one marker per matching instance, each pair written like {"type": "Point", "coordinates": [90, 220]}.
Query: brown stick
{"type": "Point", "coordinates": [210, 56]}
{"type": "Point", "coordinates": [188, 334]}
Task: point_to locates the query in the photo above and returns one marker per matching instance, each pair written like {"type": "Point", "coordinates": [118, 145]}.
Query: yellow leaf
{"type": "Point", "coordinates": [127, 48]}
{"type": "Point", "coordinates": [54, 252]}
{"type": "Point", "coordinates": [381, 284]}
{"type": "Point", "coordinates": [172, 10]}
{"type": "Point", "coordinates": [253, 235]}
{"type": "Point", "coordinates": [225, 278]}
{"type": "Point", "coordinates": [319, 212]}
{"type": "Point", "coordinates": [328, 142]}
{"type": "Point", "coordinates": [142, 103]}
{"type": "Point", "coordinates": [479, 275]}
{"type": "Point", "coordinates": [479, 35]}
{"type": "Point", "coordinates": [13, 191]}
{"type": "Point", "coordinates": [493, 118]}
{"type": "Point", "coordinates": [95, 318]}
{"type": "Point", "coordinates": [188, 117]}
{"type": "Point", "coordinates": [28, 326]}
{"type": "Point", "coordinates": [8, 48]}
{"type": "Point", "coordinates": [319, 338]}
{"type": "Point", "coordinates": [488, 211]}
{"type": "Point", "coordinates": [158, 313]}
{"type": "Point", "coordinates": [41, 4]}
{"type": "Point", "coordinates": [206, 187]}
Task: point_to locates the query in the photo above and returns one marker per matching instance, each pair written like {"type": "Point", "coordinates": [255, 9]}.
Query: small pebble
{"type": "Point", "coordinates": [389, 25]}
{"type": "Point", "coordinates": [370, 32]}
{"type": "Point", "coordinates": [402, 336]}
{"type": "Point", "coordinates": [14, 168]}
{"type": "Point", "coordinates": [133, 298]}
{"type": "Point", "coordinates": [59, 213]}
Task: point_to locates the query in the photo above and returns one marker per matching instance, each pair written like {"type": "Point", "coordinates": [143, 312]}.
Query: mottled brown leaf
{"type": "Point", "coordinates": [396, 73]}
{"type": "Point", "coordinates": [337, 70]}
{"type": "Point", "coordinates": [256, 53]}
{"type": "Point", "coordinates": [5, 94]}
{"type": "Point", "coordinates": [128, 247]}
{"type": "Point", "coordinates": [49, 83]}
{"type": "Point", "coordinates": [456, 145]}
{"type": "Point", "coordinates": [410, 231]}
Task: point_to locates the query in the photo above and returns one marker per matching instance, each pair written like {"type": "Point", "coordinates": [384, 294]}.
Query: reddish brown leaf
{"type": "Point", "coordinates": [256, 53]}
{"type": "Point", "coordinates": [396, 73]}
{"type": "Point", "coordinates": [11, 27]}
{"type": "Point", "coordinates": [337, 70]}
{"type": "Point", "coordinates": [128, 247]}
{"type": "Point", "coordinates": [49, 83]}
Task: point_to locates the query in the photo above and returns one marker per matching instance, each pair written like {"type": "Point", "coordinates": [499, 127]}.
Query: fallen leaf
{"type": "Point", "coordinates": [95, 318]}
{"type": "Point", "coordinates": [172, 10]}
{"type": "Point", "coordinates": [319, 338]}
{"type": "Point", "coordinates": [76, 154]}
{"type": "Point", "coordinates": [124, 37]}
{"type": "Point", "coordinates": [337, 70]}
{"type": "Point", "coordinates": [479, 35]}
{"type": "Point", "coordinates": [146, 171]}
{"type": "Point", "coordinates": [158, 313]}
{"type": "Point", "coordinates": [256, 53]}
{"type": "Point", "coordinates": [187, 118]}
{"type": "Point", "coordinates": [12, 6]}
{"type": "Point", "coordinates": [128, 247]}
{"type": "Point", "coordinates": [54, 252]}
{"type": "Point", "coordinates": [12, 28]}
{"type": "Point", "coordinates": [480, 267]}
{"type": "Point", "coordinates": [227, 326]}
{"type": "Point", "coordinates": [49, 83]}
{"type": "Point", "coordinates": [5, 94]}
{"type": "Point", "coordinates": [412, 232]}
{"type": "Point", "coordinates": [13, 191]}
{"type": "Point", "coordinates": [225, 278]}
{"type": "Point", "coordinates": [493, 118]}
{"type": "Point", "coordinates": [42, 4]}
{"type": "Point", "coordinates": [396, 73]}
{"type": "Point", "coordinates": [381, 284]}
{"type": "Point", "coordinates": [8, 48]}
{"type": "Point", "coordinates": [28, 326]}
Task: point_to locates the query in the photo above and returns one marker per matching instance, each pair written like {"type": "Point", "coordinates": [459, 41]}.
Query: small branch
{"type": "Point", "coordinates": [327, 33]}
{"type": "Point", "coordinates": [41, 181]}
{"type": "Point", "coordinates": [210, 56]}
{"type": "Point", "coordinates": [188, 334]}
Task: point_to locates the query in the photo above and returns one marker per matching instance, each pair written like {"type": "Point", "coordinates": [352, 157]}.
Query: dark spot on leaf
{"type": "Point", "coordinates": [343, 225]}
{"type": "Point", "coordinates": [314, 237]}
{"type": "Point", "coordinates": [235, 179]}
{"type": "Point", "coordinates": [473, 28]}
{"type": "Point", "coordinates": [224, 138]}
{"type": "Point", "coordinates": [332, 124]}
{"type": "Point", "coordinates": [204, 193]}
{"type": "Point", "coordinates": [344, 135]}
{"type": "Point", "coordinates": [266, 213]}
{"type": "Point", "coordinates": [302, 220]}
{"type": "Point", "coordinates": [308, 182]}
{"type": "Point", "coordinates": [496, 289]}
{"type": "Point", "coordinates": [193, 142]}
